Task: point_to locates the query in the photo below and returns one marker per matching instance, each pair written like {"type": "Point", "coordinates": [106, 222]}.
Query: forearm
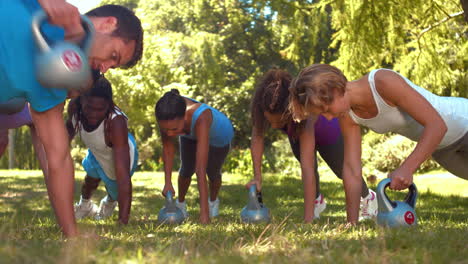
{"type": "Point", "coordinates": [125, 199]}
{"type": "Point", "coordinates": [352, 178]}
{"type": "Point", "coordinates": [308, 184]}
{"type": "Point", "coordinates": [168, 159]}
{"type": "Point", "coordinates": [256, 151]}
{"type": "Point", "coordinates": [60, 183]}
{"type": "Point", "coordinates": [203, 190]}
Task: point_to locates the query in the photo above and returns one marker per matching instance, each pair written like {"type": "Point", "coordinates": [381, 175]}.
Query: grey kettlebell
{"type": "Point", "coordinates": [62, 64]}
{"type": "Point", "coordinates": [170, 213]}
{"type": "Point", "coordinates": [396, 213]}
{"type": "Point", "coordinates": [255, 212]}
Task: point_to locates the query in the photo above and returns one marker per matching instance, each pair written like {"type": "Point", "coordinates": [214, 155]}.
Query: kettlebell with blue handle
{"type": "Point", "coordinates": [62, 64]}
{"type": "Point", "coordinates": [396, 213]}
{"type": "Point", "coordinates": [255, 212]}
{"type": "Point", "coordinates": [170, 213]}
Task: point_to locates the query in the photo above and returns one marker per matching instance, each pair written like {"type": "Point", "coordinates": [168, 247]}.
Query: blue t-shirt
{"type": "Point", "coordinates": [17, 55]}
{"type": "Point", "coordinates": [221, 131]}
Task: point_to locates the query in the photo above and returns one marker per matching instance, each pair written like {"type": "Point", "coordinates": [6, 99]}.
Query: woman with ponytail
{"type": "Point", "coordinates": [112, 152]}
{"type": "Point", "coordinates": [205, 136]}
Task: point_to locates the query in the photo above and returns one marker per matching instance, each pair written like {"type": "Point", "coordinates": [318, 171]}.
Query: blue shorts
{"type": "Point", "coordinates": [94, 170]}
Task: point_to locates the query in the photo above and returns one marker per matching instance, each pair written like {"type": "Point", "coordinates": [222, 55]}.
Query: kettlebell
{"type": "Point", "coordinates": [396, 213]}
{"type": "Point", "coordinates": [62, 64]}
{"type": "Point", "coordinates": [255, 212]}
{"type": "Point", "coordinates": [12, 106]}
{"type": "Point", "coordinates": [170, 213]}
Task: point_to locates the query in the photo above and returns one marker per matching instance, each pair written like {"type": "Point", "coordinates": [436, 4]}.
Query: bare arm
{"type": "Point", "coordinates": [121, 152]}
{"type": "Point", "coordinates": [202, 132]}
{"type": "Point", "coordinates": [397, 92]}
{"type": "Point", "coordinates": [53, 135]}
{"type": "Point", "coordinates": [39, 149]}
{"type": "Point", "coordinates": [307, 149]}
{"type": "Point", "coordinates": [256, 150]}
{"type": "Point", "coordinates": [352, 167]}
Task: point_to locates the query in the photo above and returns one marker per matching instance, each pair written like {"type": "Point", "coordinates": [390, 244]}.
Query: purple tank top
{"type": "Point", "coordinates": [16, 120]}
{"type": "Point", "coordinates": [326, 132]}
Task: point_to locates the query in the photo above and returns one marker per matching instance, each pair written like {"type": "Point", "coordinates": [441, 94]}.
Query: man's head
{"type": "Point", "coordinates": [118, 41]}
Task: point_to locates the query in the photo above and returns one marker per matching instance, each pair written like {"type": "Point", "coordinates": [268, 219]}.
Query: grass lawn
{"type": "Point", "coordinates": [28, 233]}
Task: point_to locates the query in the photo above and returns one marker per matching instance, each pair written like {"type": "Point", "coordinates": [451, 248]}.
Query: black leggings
{"type": "Point", "coordinates": [333, 155]}
{"type": "Point", "coordinates": [188, 153]}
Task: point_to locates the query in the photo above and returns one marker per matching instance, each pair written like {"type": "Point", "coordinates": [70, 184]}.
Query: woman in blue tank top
{"type": "Point", "coordinates": [384, 101]}
{"type": "Point", "coordinates": [205, 136]}
{"type": "Point", "coordinates": [270, 106]}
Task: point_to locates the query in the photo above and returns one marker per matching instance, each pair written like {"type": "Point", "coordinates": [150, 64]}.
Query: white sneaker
{"type": "Point", "coordinates": [106, 208]}
{"type": "Point", "coordinates": [320, 205]}
{"type": "Point", "coordinates": [214, 207]}
{"type": "Point", "coordinates": [182, 206]}
{"type": "Point", "coordinates": [85, 208]}
{"type": "Point", "coordinates": [369, 206]}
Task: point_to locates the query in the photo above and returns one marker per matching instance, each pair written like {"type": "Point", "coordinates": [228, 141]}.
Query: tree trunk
{"type": "Point", "coordinates": [11, 149]}
{"type": "Point", "coordinates": [464, 4]}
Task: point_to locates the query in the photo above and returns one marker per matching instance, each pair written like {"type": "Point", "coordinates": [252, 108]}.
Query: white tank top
{"type": "Point", "coordinates": [95, 141]}
{"type": "Point", "coordinates": [453, 110]}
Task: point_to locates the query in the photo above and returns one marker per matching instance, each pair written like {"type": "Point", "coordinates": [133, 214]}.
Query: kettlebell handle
{"type": "Point", "coordinates": [386, 203]}
{"type": "Point", "coordinates": [169, 196]}
{"type": "Point", "coordinates": [253, 190]}
{"type": "Point", "coordinates": [40, 17]}
{"type": "Point", "coordinates": [412, 195]}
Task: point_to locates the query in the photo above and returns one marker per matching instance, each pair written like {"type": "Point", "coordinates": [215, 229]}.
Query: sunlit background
{"type": "Point", "coordinates": [84, 5]}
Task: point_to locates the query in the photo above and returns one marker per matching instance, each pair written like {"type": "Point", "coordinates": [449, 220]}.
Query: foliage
{"type": "Point", "coordinates": [214, 51]}
{"type": "Point", "coordinates": [424, 40]}
{"type": "Point", "coordinates": [385, 153]}
{"type": "Point", "coordinates": [28, 229]}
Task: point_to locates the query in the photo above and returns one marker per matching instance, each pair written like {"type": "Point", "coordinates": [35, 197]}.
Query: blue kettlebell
{"type": "Point", "coordinates": [170, 213]}
{"type": "Point", "coordinates": [255, 212]}
{"type": "Point", "coordinates": [396, 213]}
{"type": "Point", "coordinates": [62, 64]}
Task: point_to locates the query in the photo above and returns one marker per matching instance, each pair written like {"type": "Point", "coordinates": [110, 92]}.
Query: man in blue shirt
{"type": "Point", "coordinates": [118, 42]}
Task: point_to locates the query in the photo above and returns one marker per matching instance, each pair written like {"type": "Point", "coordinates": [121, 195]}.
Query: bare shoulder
{"type": "Point", "coordinates": [391, 86]}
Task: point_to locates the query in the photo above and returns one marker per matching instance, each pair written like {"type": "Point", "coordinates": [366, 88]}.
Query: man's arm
{"type": "Point", "coordinates": [53, 135]}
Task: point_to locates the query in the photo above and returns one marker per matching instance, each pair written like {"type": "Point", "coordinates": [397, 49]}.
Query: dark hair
{"type": "Point", "coordinates": [171, 106]}
{"type": "Point", "coordinates": [128, 28]}
{"type": "Point", "coordinates": [101, 88]}
{"type": "Point", "coordinates": [271, 95]}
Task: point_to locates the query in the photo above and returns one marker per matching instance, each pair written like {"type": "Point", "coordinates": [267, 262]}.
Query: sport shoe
{"type": "Point", "coordinates": [106, 208]}
{"type": "Point", "coordinates": [320, 205]}
{"type": "Point", "coordinates": [85, 208]}
{"type": "Point", "coordinates": [182, 206]}
{"type": "Point", "coordinates": [368, 206]}
{"type": "Point", "coordinates": [213, 207]}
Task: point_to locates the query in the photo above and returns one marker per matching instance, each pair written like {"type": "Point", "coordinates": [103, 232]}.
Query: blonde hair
{"type": "Point", "coordinates": [314, 87]}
